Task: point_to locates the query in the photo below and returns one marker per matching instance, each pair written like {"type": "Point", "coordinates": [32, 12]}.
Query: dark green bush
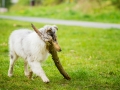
{"type": "Point", "coordinates": [116, 3]}
{"type": "Point", "coordinates": [7, 3]}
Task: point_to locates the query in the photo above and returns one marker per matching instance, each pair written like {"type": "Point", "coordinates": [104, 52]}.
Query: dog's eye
{"type": "Point", "coordinates": [55, 39]}
{"type": "Point", "coordinates": [51, 34]}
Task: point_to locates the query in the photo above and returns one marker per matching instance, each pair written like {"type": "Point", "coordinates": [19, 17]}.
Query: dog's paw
{"type": "Point", "coordinates": [46, 80]}
{"type": "Point", "coordinates": [10, 75]}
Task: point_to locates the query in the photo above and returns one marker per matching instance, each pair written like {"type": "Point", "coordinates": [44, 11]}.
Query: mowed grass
{"type": "Point", "coordinates": [90, 56]}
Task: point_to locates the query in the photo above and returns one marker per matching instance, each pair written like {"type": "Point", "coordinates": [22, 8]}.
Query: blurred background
{"type": "Point", "coordinates": [91, 56]}
{"type": "Point", "coordinates": [85, 10]}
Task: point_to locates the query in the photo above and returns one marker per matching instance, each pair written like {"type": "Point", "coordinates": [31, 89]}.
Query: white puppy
{"type": "Point", "coordinates": [32, 48]}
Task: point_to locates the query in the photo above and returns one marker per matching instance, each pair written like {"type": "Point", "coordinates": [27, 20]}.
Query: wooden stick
{"type": "Point", "coordinates": [57, 61]}
{"type": "Point", "coordinates": [36, 30]}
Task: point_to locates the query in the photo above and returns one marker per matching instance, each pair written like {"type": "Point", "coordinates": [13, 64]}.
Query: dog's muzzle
{"type": "Point", "coordinates": [57, 47]}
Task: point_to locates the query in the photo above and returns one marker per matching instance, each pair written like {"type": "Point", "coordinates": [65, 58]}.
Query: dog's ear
{"type": "Point", "coordinates": [55, 27]}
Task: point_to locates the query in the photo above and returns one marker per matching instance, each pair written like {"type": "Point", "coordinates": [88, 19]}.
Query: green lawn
{"type": "Point", "coordinates": [90, 56]}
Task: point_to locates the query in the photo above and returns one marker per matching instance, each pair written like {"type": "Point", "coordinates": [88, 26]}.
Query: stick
{"type": "Point", "coordinates": [57, 61]}
{"type": "Point", "coordinates": [36, 30]}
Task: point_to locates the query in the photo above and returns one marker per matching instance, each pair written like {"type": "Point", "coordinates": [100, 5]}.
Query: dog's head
{"type": "Point", "coordinates": [49, 31]}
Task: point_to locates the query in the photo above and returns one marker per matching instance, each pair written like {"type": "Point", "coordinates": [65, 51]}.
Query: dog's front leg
{"type": "Point", "coordinates": [37, 69]}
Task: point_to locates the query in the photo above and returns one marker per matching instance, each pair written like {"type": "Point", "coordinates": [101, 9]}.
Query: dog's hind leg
{"type": "Point", "coordinates": [13, 58]}
{"type": "Point", "coordinates": [26, 71]}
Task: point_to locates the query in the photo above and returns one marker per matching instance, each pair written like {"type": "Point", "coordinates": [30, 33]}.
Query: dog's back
{"type": "Point", "coordinates": [25, 43]}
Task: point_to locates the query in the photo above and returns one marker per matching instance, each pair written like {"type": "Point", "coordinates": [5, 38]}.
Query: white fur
{"type": "Point", "coordinates": [28, 45]}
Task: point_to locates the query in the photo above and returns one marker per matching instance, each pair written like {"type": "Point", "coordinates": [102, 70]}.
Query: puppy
{"type": "Point", "coordinates": [32, 48]}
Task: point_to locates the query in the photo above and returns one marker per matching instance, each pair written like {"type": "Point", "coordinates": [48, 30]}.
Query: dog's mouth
{"type": "Point", "coordinates": [56, 45]}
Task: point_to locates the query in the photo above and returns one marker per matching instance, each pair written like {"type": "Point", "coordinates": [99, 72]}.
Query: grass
{"type": "Point", "coordinates": [85, 12]}
{"type": "Point", "coordinates": [90, 56]}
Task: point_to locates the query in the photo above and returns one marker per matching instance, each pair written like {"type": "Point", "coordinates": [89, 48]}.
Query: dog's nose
{"type": "Point", "coordinates": [60, 50]}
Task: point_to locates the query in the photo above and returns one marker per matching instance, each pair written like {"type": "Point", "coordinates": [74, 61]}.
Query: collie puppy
{"type": "Point", "coordinates": [32, 48]}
